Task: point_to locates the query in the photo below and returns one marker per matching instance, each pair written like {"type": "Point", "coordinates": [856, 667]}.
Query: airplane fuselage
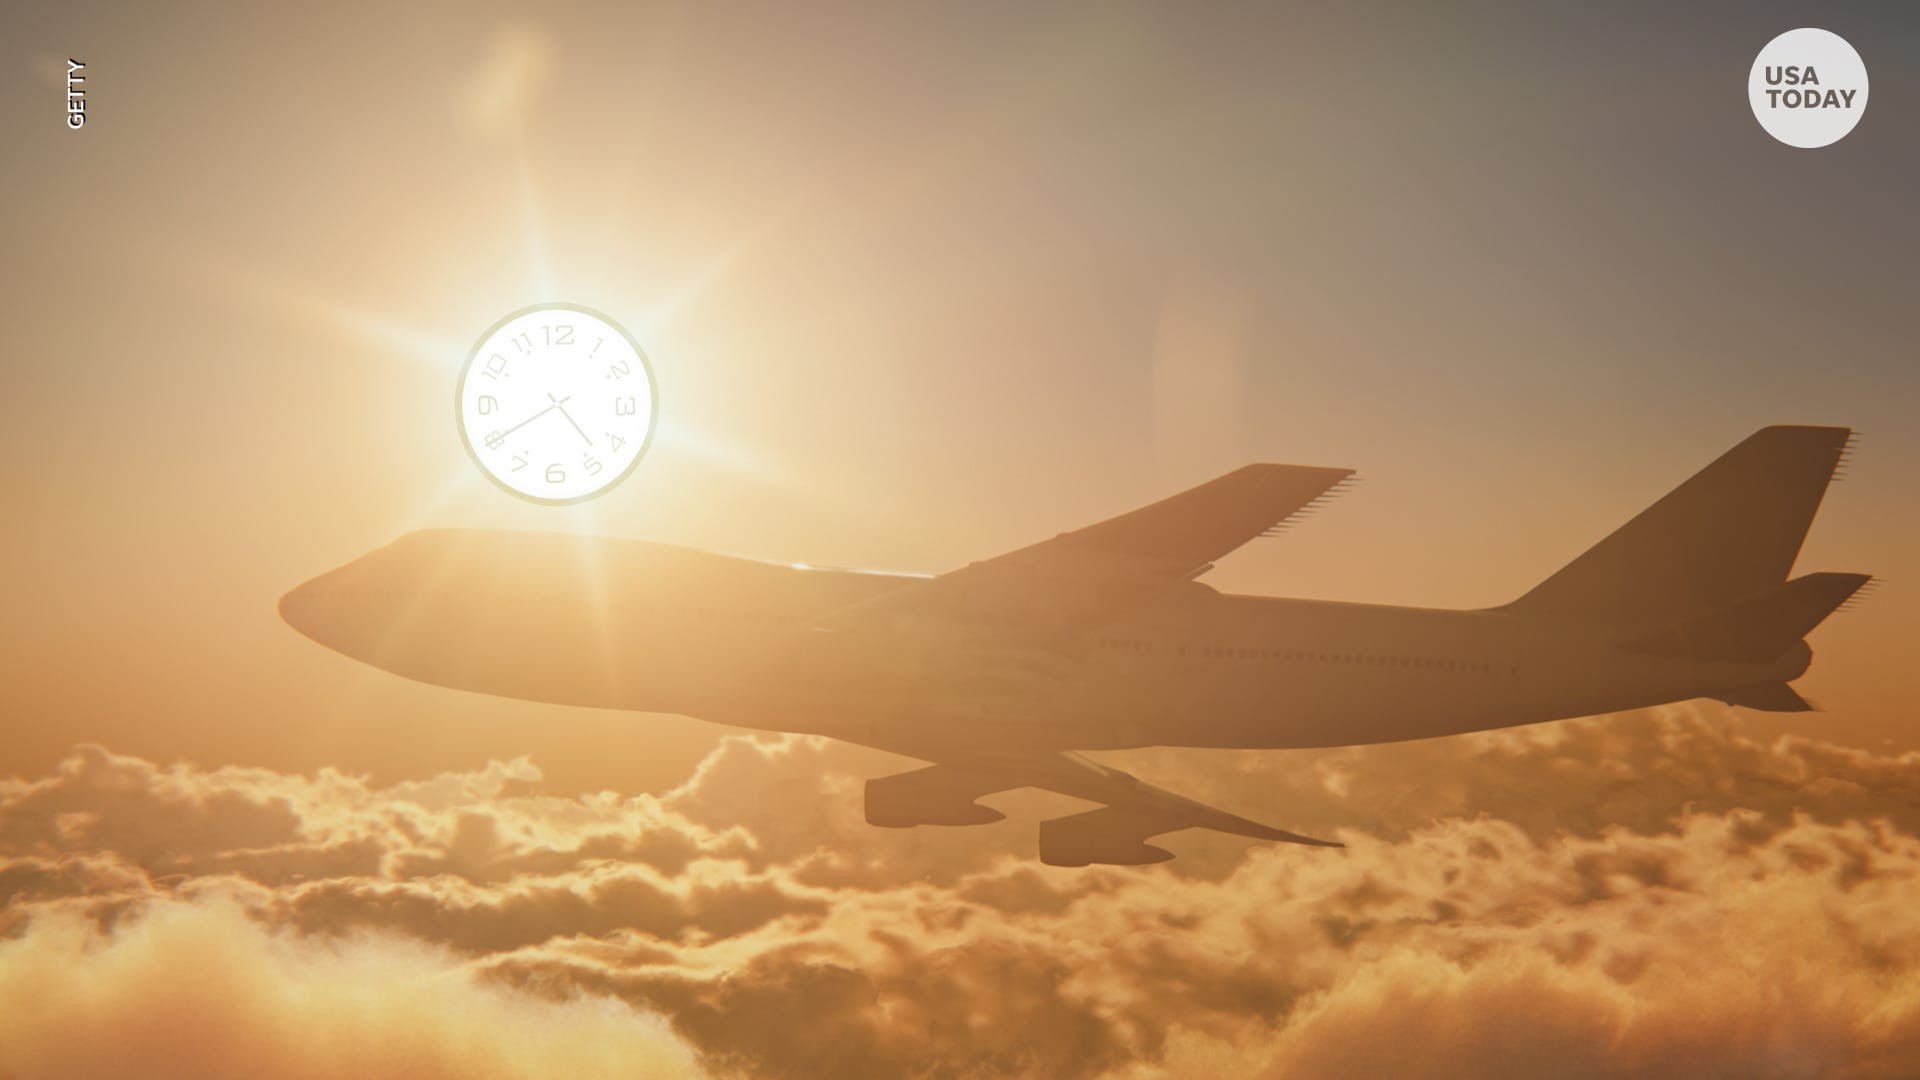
{"type": "Point", "coordinates": [649, 627]}
{"type": "Point", "coordinates": [998, 672]}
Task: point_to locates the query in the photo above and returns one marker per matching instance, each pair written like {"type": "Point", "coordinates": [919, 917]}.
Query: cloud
{"type": "Point", "coordinates": [198, 990]}
{"type": "Point", "coordinates": [1644, 771]}
{"type": "Point", "coordinates": [1650, 894]}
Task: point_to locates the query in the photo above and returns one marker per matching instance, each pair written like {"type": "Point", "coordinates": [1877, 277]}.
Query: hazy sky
{"type": "Point", "coordinates": [920, 284]}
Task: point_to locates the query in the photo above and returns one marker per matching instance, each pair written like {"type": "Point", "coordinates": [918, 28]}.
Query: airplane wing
{"type": "Point", "coordinates": [1115, 834]}
{"type": "Point", "coordinates": [1076, 578]}
{"type": "Point", "coordinates": [1182, 535]}
{"type": "Point", "coordinates": [1120, 562]}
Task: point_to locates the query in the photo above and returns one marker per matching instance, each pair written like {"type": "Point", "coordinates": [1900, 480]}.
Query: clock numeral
{"type": "Point", "coordinates": [518, 463]}
{"type": "Point", "coordinates": [496, 367]}
{"type": "Point", "coordinates": [591, 464]}
{"type": "Point", "coordinates": [495, 440]}
{"type": "Point", "coordinates": [555, 474]}
{"type": "Point", "coordinates": [597, 342]}
{"type": "Point", "coordinates": [617, 441]}
{"type": "Point", "coordinates": [488, 405]}
{"type": "Point", "coordinates": [618, 369]}
{"type": "Point", "coordinates": [559, 335]}
{"type": "Point", "coordinates": [522, 341]}
{"type": "Point", "coordinates": [624, 406]}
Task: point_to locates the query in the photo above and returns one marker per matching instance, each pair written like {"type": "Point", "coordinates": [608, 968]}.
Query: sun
{"type": "Point", "coordinates": [556, 403]}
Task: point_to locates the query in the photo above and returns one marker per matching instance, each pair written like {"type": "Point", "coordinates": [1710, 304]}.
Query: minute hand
{"type": "Point", "coordinates": [528, 420]}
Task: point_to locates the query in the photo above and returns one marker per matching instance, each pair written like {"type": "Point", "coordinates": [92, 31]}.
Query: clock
{"type": "Point", "coordinates": [556, 403]}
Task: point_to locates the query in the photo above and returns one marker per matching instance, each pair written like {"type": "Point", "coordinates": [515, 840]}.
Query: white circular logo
{"type": "Point", "coordinates": [556, 403]}
{"type": "Point", "coordinates": [1808, 87]}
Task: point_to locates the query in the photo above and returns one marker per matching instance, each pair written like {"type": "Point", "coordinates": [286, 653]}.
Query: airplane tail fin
{"type": "Point", "coordinates": [1730, 532]}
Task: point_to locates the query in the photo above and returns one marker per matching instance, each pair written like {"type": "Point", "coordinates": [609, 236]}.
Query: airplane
{"type": "Point", "coordinates": [1000, 673]}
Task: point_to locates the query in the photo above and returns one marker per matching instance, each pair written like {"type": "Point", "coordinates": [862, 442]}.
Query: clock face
{"type": "Point", "coordinates": [556, 403]}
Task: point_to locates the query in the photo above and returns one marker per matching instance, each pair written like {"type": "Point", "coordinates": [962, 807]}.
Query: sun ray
{"type": "Point", "coordinates": [230, 278]}
{"type": "Point", "coordinates": [708, 450]}
{"type": "Point", "coordinates": [657, 316]}
{"type": "Point", "coordinates": [586, 520]}
{"type": "Point", "coordinates": [533, 232]}
{"type": "Point", "coordinates": [439, 353]}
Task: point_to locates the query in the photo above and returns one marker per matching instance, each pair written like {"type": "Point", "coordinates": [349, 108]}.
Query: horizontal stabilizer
{"type": "Point", "coordinates": [1759, 627]}
{"type": "Point", "coordinates": [1769, 697]}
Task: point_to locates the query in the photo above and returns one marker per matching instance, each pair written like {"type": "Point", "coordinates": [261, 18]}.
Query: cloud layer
{"type": "Point", "coordinates": [199, 990]}
{"type": "Point", "coordinates": [1654, 894]}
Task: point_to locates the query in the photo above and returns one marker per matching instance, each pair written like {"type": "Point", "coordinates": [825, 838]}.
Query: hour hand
{"type": "Point", "coordinates": [561, 405]}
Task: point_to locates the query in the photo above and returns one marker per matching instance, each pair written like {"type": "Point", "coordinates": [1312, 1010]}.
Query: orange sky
{"type": "Point", "coordinates": [909, 306]}
{"type": "Point", "coordinates": [919, 285]}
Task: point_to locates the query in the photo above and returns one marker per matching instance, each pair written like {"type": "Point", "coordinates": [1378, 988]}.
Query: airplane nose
{"type": "Point", "coordinates": [297, 605]}
{"type": "Point", "coordinates": [311, 604]}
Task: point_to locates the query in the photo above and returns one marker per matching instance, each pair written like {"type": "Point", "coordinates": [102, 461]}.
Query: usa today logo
{"type": "Point", "coordinates": [1808, 87]}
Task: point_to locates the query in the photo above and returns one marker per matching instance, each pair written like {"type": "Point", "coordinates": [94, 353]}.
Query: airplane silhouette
{"type": "Point", "coordinates": [1101, 638]}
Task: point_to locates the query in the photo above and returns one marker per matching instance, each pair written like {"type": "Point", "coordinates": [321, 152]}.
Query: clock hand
{"type": "Point", "coordinates": [528, 420]}
{"type": "Point", "coordinates": [571, 420]}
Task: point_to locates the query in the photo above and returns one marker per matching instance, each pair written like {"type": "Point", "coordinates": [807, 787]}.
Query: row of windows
{"type": "Point", "coordinates": [1218, 652]}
